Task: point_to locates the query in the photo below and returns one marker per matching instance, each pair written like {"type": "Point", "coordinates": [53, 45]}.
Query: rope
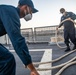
{"type": "Point", "coordinates": [71, 63]}
{"type": "Point", "coordinates": [55, 67]}
{"type": "Point", "coordinates": [57, 32]}
{"type": "Point", "coordinates": [63, 65]}
{"type": "Point", "coordinates": [40, 63]}
{"type": "Point", "coordinates": [57, 41]}
{"type": "Point", "coordinates": [61, 70]}
{"type": "Point", "coordinates": [67, 20]}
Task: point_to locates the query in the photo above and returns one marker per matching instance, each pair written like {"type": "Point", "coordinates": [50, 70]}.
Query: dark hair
{"type": "Point", "coordinates": [62, 10]}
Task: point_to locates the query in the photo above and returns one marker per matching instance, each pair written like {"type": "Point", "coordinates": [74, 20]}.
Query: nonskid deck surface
{"type": "Point", "coordinates": [39, 52]}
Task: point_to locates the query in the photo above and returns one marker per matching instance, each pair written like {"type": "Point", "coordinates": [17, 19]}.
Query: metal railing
{"type": "Point", "coordinates": [39, 34]}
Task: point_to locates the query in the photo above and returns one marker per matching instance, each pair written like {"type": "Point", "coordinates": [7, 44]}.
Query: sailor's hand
{"type": "Point", "coordinates": [34, 72]}
{"type": "Point", "coordinates": [72, 20]}
{"type": "Point", "coordinates": [69, 18]}
{"type": "Point", "coordinates": [32, 69]}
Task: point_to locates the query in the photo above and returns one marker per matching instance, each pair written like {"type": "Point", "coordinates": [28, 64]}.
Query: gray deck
{"type": "Point", "coordinates": [36, 56]}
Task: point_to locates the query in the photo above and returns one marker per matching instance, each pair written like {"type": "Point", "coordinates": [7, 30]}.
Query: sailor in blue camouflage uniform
{"type": "Point", "coordinates": [69, 28]}
{"type": "Point", "coordinates": [10, 24]}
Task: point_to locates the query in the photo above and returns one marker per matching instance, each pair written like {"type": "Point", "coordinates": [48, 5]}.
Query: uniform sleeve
{"type": "Point", "coordinates": [11, 24]}
{"type": "Point", "coordinates": [60, 22]}
{"type": "Point", "coordinates": [73, 16]}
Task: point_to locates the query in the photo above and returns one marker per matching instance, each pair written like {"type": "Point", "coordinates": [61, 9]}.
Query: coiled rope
{"type": "Point", "coordinates": [57, 32]}
{"type": "Point", "coordinates": [57, 41]}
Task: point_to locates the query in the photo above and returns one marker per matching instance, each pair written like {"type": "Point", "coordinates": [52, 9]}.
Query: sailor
{"type": "Point", "coordinates": [69, 28]}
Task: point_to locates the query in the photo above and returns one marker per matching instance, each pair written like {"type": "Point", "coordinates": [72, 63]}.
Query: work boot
{"type": "Point", "coordinates": [74, 47]}
{"type": "Point", "coordinates": [68, 49]}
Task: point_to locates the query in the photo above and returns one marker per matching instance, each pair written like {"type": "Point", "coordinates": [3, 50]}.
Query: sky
{"type": "Point", "coordinates": [48, 14]}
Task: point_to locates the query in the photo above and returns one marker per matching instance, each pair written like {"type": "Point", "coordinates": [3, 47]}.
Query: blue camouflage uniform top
{"type": "Point", "coordinates": [68, 25]}
{"type": "Point", "coordinates": [10, 24]}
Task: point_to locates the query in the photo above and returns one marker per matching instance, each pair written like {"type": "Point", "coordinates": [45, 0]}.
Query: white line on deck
{"type": "Point", "coordinates": [46, 57]}
{"type": "Point", "coordinates": [33, 50]}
